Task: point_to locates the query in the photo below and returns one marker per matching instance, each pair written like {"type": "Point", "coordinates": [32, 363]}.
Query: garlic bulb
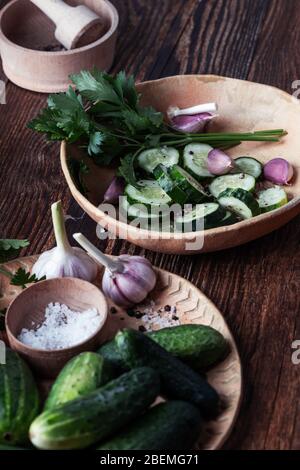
{"type": "Point", "coordinates": [127, 280]}
{"type": "Point", "coordinates": [192, 120]}
{"type": "Point", "coordinates": [64, 260]}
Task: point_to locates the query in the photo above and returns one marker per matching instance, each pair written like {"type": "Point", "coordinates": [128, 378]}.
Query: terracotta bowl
{"type": "Point", "coordinates": [243, 106]}
{"type": "Point", "coordinates": [28, 47]}
{"type": "Point", "coordinates": [29, 306]}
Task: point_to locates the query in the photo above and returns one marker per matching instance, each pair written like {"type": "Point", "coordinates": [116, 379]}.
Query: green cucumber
{"type": "Point", "coordinates": [174, 425]}
{"type": "Point", "coordinates": [170, 186]}
{"type": "Point", "coordinates": [81, 375]}
{"type": "Point", "coordinates": [235, 181]}
{"type": "Point", "coordinates": [179, 185]}
{"type": "Point", "coordinates": [19, 400]}
{"type": "Point", "coordinates": [240, 202]}
{"type": "Point", "coordinates": [248, 165]}
{"type": "Point", "coordinates": [272, 198]}
{"type": "Point", "coordinates": [97, 415]}
{"type": "Point", "coordinates": [148, 193]}
{"type": "Point", "coordinates": [149, 159]}
{"type": "Point", "coordinates": [229, 219]}
{"type": "Point", "coordinates": [203, 216]}
{"type": "Point", "coordinates": [137, 211]}
{"type": "Point", "coordinates": [178, 380]}
{"type": "Point", "coordinates": [199, 346]}
{"type": "Point", "coordinates": [195, 160]}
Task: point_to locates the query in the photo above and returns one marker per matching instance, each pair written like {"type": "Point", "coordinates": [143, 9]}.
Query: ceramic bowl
{"type": "Point", "coordinates": [243, 106]}
{"type": "Point", "coordinates": [28, 309]}
{"type": "Point", "coordinates": [28, 47]}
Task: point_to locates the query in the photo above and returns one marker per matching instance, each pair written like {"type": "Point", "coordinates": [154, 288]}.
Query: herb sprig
{"type": "Point", "coordinates": [104, 114]}
{"type": "Point", "coordinates": [10, 249]}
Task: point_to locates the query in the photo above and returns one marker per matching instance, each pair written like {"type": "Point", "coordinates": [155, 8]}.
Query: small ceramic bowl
{"type": "Point", "coordinates": [28, 309]}
{"type": "Point", "coordinates": [30, 53]}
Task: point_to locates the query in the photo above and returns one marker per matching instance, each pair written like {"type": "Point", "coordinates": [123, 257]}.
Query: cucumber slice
{"type": "Point", "coordinates": [179, 185]}
{"type": "Point", "coordinates": [149, 159]}
{"type": "Point", "coordinates": [229, 219]}
{"type": "Point", "coordinates": [208, 215]}
{"type": "Point", "coordinates": [135, 211]}
{"type": "Point", "coordinates": [236, 181]}
{"type": "Point", "coordinates": [248, 165]}
{"type": "Point", "coordinates": [272, 198]}
{"type": "Point", "coordinates": [240, 202]}
{"type": "Point", "coordinates": [194, 191]}
{"type": "Point", "coordinates": [149, 193]}
{"type": "Point", "coordinates": [195, 158]}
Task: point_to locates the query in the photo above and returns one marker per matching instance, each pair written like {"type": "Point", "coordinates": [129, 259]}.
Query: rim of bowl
{"type": "Point", "coordinates": [114, 16]}
{"type": "Point", "coordinates": [56, 351]}
{"type": "Point", "coordinates": [169, 235]}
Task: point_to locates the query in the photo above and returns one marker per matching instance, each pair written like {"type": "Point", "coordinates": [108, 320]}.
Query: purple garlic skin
{"type": "Point", "coordinates": [279, 171]}
{"type": "Point", "coordinates": [130, 284]}
{"type": "Point", "coordinates": [219, 163]}
{"type": "Point", "coordinates": [191, 124]}
{"type": "Point", "coordinates": [114, 190]}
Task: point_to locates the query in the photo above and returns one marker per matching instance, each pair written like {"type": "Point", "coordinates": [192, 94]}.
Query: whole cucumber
{"type": "Point", "coordinates": [178, 380]}
{"type": "Point", "coordinates": [174, 425]}
{"type": "Point", "coordinates": [19, 400]}
{"type": "Point", "coordinates": [81, 375]}
{"type": "Point", "coordinates": [97, 415]}
{"type": "Point", "coordinates": [199, 346]}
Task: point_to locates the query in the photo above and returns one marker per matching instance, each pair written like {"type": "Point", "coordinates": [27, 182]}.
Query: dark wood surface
{"type": "Point", "coordinates": [256, 286]}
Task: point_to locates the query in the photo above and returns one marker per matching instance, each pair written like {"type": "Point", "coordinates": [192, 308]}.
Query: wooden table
{"type": "Point", "coordinates": [256, 286]}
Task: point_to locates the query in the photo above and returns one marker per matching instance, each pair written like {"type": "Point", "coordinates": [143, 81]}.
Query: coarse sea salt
{"type": "Point", "coordinates": [61, 328]}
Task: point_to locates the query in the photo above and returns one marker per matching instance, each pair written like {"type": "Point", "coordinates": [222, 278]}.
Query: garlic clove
{"type": "Point", "coordinates": [112, 291]}
{"type": "Point", "coordinates": [279, 171]}
{"type": "Point", "coordinates": [114, 190]}
{"type": "Point", "coordinates": [191, 123]}
{"type": "Point", "coordinates": [219, 163]}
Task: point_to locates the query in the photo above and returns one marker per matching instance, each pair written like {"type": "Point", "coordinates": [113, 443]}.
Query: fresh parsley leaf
{"type": "Point", "coordinates": [126, 169]}
{"type": "Point", "coordinates": [2, 319]}
{"type": "Point", "coordinates": [154, 117]}
{"type": "Point", "coordinates": [22, 278]}
{"type": "Point", "coordinates": [95, 143]}
{"type": "Point", "coordinates": [125, 87]}
{"type": "Point", "coordinates": [10, 249]}
{"type": "Point", "coordinates": [95, 87]}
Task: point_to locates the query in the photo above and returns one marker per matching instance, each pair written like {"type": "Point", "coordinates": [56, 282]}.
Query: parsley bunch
{"type": "Point", "coordinates": [104, 115]}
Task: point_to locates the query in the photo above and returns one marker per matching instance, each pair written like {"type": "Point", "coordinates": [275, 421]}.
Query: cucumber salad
{"type": "Point", "coordinates": [162, 159]}
{"type": "Point", "coordinates": [194, 180]}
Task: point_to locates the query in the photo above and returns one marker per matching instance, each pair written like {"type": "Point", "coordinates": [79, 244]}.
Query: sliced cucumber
{"type": "Point", "coordinates": [149, 193]}
{"type": "Point", "coordinates": [240, 202]}
{"type": "Point", "coordinates": [179, 184]}
{"type": "Point", "coordinates": [229, 219]}
{"type": "Point", "coordinates": [248, 165]}
{"type": "Point", "coordinates": [135, 211]}
{"type": "Point", "coordinates": [272, 198]}
{"type": "Point", "coordinates": [236, 181]}
{"type": "Point", "coordinates": [149, 159]}
{"type": "Point", "coordinates": [194, 191]}
{"type": "Point", "coordinates": [205, 216]}
{"type": "Point", "coordinates": [195, 160]}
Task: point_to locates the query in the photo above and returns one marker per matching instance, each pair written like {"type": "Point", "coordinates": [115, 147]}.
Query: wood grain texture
{"type": "Point", "coordinates": [256, 286]}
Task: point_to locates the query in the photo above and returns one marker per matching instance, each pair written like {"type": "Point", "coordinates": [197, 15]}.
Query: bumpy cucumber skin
{"type": "Point", "coordinates": [110, 352]}
{"type": "Point", "coordinates": [178, 381]}
{"type": "Point", "coordinates": [81, 375]}
{"type": "Point", "coordinates": [174, 425]}
{"type": "Point", "coordinates": [19, 400]}
{"type": "Point", "coordinates": [199, 346]}
{"type": "Point", "coordinates": [97, 415]}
